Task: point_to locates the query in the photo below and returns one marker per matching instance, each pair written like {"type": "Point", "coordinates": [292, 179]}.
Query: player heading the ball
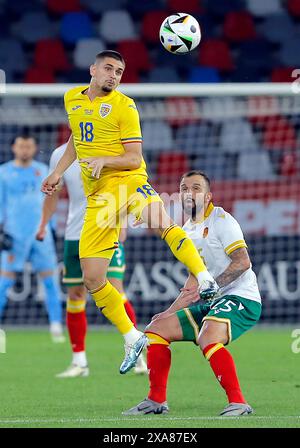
{"type": "Point", "coordinates": [106, 138]}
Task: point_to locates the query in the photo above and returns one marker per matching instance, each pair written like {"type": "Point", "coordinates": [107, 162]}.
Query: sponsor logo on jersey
{"type": "Point", "coordinates": [205, 232]}
{"type": "Point", "coordinates": [88, 111]}
{"type": "Point", "coordinates": [105, 110]}
{"type": "Point", "coordinates": [76, 107]}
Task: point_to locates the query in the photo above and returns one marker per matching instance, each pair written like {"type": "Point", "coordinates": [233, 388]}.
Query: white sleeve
{"type": "Point", "coordinates": [229, 232]}
{"type": "Point", "coordinates": [55, 157]}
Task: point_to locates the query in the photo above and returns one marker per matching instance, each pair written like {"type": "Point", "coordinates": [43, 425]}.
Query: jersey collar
{"type": "Point", "coordinates": [207, 213]}
{"type": "Point", "coordinates": [101, 98]}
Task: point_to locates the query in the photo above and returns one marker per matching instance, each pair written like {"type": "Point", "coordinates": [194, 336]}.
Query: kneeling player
{"type": "Point", "coordinates": [212, 324]}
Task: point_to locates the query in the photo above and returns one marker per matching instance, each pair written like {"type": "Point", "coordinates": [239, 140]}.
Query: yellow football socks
{"type": "Point", "coordinates": [184, 249]}
{"type": "Point", "coordinates": [110, 302]}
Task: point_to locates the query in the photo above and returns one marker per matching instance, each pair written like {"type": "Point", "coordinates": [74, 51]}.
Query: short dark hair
{"type": "Point", "coordinates": [25, 135]}
{"type": "Point", "coordinates": [110, 54]}
{"type": "Point", "coordinates": [197, 173]}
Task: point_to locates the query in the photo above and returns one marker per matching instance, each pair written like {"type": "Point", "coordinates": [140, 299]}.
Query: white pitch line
{"type": "Point", "coordinates": [148, 419]}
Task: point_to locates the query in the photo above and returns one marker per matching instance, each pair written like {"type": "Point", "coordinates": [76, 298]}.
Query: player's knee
{"type": "Point", "coordinates": [77, 293]}
{"type": "Point", "coordinates": [92, 280]}
{"type": "Point", "coordinates": [166, 328]}
{"type": "Point", "coordinates": [153, 327]}
{"type": "Point", "coordinates": [212, 334]}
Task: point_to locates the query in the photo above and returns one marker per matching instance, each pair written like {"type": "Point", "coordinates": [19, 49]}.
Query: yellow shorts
{"type": "Point", "coordinates": [106, 210]}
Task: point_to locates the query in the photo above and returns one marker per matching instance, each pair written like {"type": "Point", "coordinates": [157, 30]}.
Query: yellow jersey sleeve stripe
{"type": "Point", "coordinates": [234, 246]}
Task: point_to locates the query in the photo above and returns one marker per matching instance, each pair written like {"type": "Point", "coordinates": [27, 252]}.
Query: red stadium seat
{"type": "Point", "coordinates": [171, 166]}
{"type": "Point", "coordinates": [61, 7]}
{"type": "Point", "coordinates": [279, 134]}
{"type": "Point", "coordinates": [135, 54]}
{"type": "Point", "coordinates": [50, 54]}
{"type": "Point", "coordinates": [130, 75]}
{"type": "Point", "coordinates": [282, 74]}
{"type": "Point", "coordinates": [239, 26]}
{"type": "Point", "coordinates": [151, 24]}
{"type": "Point", "coordinates": [216, 53]}
{"type": "Point", "coordinates": [190, 6]}
{"type": "Point", "coordinates": [35, 75]}
{"type": "Point", "coordinates": [293, 7]}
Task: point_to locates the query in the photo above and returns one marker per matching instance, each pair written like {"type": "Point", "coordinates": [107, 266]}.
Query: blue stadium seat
{"type": "Point", "coordinates": [220, 7]}
{"type": "Point", "coordinates": [157, 136]}
{"type": "Point", "coordinates": [163, 74]}
{"type": "Point", "coordinates": [164, 58]}
{"type": "Point", "coordinates": [12, 56]}
{"type": "Point", "coordinates": [116, 26]}
{"type": "Point", "coordinates": [203, 74]}
{"type": "Point", "coordinates": [243, 73]}
{"type": "Point", "coordinates": [20, 8]}
{"type": "Point", "coordinates": [5, 25]}
{"type": "Point", "coordinates": [198, 137]}
{"type": "Point", "coordinates": [255, 165]}
{"type": "Point", "coordinates": [216, 166]}
{"type": "Point", "coordinates": [75, 26]}
{"type": "Point", "coordinates": [278, 28]}
{"type": "Point", "coordinates": [208, 27]}
{"type": "Point", "coordinates": [138, 9]}
{"type": "Point", "coordinates": [289, 52]}
{"type": "Point", "coordinates": [263, 8]}
{"type": "Point", "coordinates": [101, 6]}
{"type": "Point", "coordinates": [33, 27]}
{"type": "Point", "coordinates": [256, 53]}
{"type": "Point", "coordinates": [86, 50]}
{"type": "Point", "coordinates": [75, 76]}
{"type": "Point", "coordinates": [237, 136]}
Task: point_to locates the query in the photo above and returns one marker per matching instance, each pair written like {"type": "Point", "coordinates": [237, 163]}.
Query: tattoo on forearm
{"type": "Point", "coordinates": [228, 276]}
{"type": "Point", "coordinates": [239, 264]}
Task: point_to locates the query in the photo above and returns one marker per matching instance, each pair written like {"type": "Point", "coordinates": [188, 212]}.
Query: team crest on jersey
{"type": "Point", "coordinates": [205, 232]}
{"type": "Point", "coordinates": [105, 110]}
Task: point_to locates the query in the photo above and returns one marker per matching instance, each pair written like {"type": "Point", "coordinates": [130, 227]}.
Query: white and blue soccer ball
{"type": "Point", "coordinates": [180, 33]}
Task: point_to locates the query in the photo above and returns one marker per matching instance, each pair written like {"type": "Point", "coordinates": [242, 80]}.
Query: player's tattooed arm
{"type": "Point", "coordinates": [240, 262]}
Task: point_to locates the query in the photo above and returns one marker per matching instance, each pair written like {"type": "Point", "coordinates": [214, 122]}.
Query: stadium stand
{"type": "Point", "coordinates": [267, 32]}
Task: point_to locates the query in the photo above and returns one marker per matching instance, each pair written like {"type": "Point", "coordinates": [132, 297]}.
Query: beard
{"type": "Point", "coordinates": [107, 89]}
{"type": "Point", "coordinates": [193, 209]}
{"type": "Point", "coordinates": [190, 210]}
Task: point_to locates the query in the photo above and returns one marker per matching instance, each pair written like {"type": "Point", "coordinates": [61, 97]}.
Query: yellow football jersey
{"type": "Point", "coordinates": [100, 128]}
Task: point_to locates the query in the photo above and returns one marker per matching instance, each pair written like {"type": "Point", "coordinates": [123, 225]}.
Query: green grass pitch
{"type": "Point", "coordinates": [32, 397]}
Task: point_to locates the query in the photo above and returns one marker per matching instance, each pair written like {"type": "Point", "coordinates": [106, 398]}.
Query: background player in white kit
{"type": "Point", "coordinates": [220, 241]}
{"type": "Point", "coordinates": [76, 301]}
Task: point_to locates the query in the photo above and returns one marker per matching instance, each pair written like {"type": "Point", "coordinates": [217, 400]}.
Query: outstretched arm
{"type": "Point", "coordinates": [51, 183]}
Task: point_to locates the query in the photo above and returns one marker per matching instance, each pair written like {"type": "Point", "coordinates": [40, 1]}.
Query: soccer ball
{"type": "Point", "coordinates": [180, 33]}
